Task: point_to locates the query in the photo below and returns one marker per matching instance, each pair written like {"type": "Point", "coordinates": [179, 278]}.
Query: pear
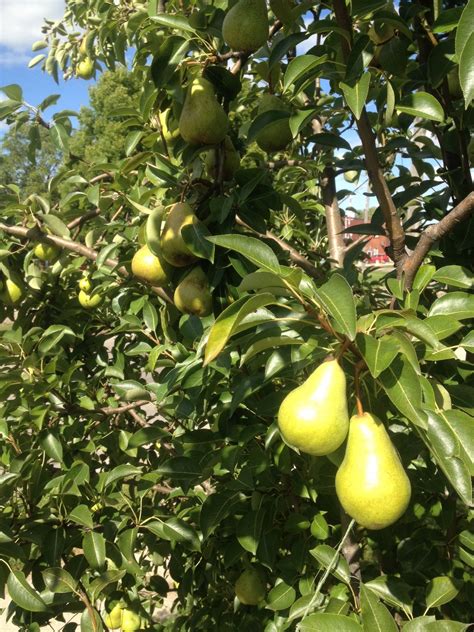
{"type": "Point", "coordinates": [113, 619]}
{"type": "Point", "coordinates": [371, 484]}
{"type": "Point", "coordinates": [245, 27]}
{"type": "Point", "coordinates": [276, 135]}
{"type": "Point", "coordinates": [148, 267]}
{"type": "Point", "coordinates": [85, 68]}
{"type": "Point", "coordinates": [85, 284]}
{"type": "Point", "coordinates": [46, 252]}
{"type": "Point", "coordinates": [12, 291]}
{"type": "Point", "coordinates": [314, 417]}
{"type": "Point", "coordinates": [351, 176]}
{"type": "Point", "coordinates": [231, 161]}
{"type": "Point", "coordinates": [131, 621]}
{"type": "Point", "coordinates": [250, 587]}
{"type": "Point", "coordinates": [203, 120]}
{"type": "Point", "coordinates": [283, 10]}
{"type": "Point", "coordinates": [193, 295]}
{"type": "Point", "coordinates": [89, 301]}
{"type": "Point", "coordinates": [169, 126]}
{"type": "Point", "coordinates": [173, 246]}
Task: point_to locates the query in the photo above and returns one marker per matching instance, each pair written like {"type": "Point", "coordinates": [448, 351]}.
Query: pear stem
{"type": "Point", "coordinates": [358, 368]}
{"type": "Point", "coordinates": [328, 570]}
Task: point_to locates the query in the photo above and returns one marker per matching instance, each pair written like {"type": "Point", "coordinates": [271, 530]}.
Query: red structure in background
{"type": "Point", "coordinates": [374, 248]}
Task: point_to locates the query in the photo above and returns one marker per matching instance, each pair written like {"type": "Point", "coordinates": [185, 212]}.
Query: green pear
{"type": "Point", "coordinates": [203, 120]}
{"type": "Point", "coordinates": [231, 161]}
{"type": "Point", "coordinates": [148, 267]}
{"type": "Point", "coordinates": [314, 417]}
{"type": "Point", "coordinates": [276, 135]}
{"type": "Point", "coordinates": [173, 246]}
{"type": "Point", "coordinates": [169, 126]}
{"type": "Point", "coordinates": [131, 621]}
{"type": "Point", "coordinates": [85, 68]}
{"type": "Point", "coordinates": [454, 84]}
{"type": "Point", "coordinates": [250, 587]}
{"type": "Point", "coordinates": [12, 291]}
{"type": "Point", "coordinates": [46, 252]}
{"type": "Point", "coordinates": [113, 619]}
{"type": "Point", "coordinates": [283, 10]}
{"type": "Point", "coordinates": [351, 176]}
{"type": "Point", "coordinates": [371, 484]}
{"type": "Point", "coordinates": [193, 295]}
{"type": "Point", "coordinates": [245, 27]}
{"type": "Point", "coordinates": [89, 301]}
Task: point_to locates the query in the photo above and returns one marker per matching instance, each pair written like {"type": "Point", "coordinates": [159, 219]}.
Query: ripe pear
{"type": "Point", "coordinates": [85, 284]}
{"type": "Point", "coordinates": [245, 27]}
{"type": "Point", "coordinates": [46, 252]}
{"type": "Point", "coordinates": [193, 295]}
{"type": "Point", "coordinates": [250, 587]}
{"type": "Point", "coordinates": [131, 621]}
{"type": "Point", "coordinates": [89, 301]}
{"type": "Point", "coordinates": [276, 135]}
{"type": "Point", "coordinates": [173, 246]}
{"type": "Point", "coordinates": [203, 120]}
{"type": "Point", "coordinates": [113, 619]}
{"type": "Point", "coordinates": [231, 161]}
{"type": "Point", "coordinates": [85, 68]}
{"type": "Point", "coordinates": [12, 291]}
{"type": "Point", "coordinates": [371, 484]}
{"type": "Point", "coordinates": [314, 417]}
{"type": "Point", "coordinates": [351, 176]}
{"type": "Point", "coordinates": [148, 267]}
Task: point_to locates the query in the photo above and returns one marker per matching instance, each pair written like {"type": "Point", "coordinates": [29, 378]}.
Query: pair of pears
{"type": "Point", "coordinates": [371, 484]}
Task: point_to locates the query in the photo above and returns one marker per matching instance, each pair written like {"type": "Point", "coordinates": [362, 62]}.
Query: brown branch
{"type": "Point", "coordinates": [377, 179]}
{"type": "Point", "coordinates": [240, 63]}
{"type": "Point", "coordinates": [434, 233]}
{"type": "Point", "coordinates": [294, 255]}
{"type": "Point", "coordinates": [333, 217]}
{"type": "Point", "coordinates": [34, 234]}
{"type": "Point", "coordinates": [84, 218]}
{"type": "Point", "coordinates": [111, 410]}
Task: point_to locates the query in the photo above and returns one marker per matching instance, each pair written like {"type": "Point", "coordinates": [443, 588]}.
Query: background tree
{"type": "Point", "coordinates": [141, 452]}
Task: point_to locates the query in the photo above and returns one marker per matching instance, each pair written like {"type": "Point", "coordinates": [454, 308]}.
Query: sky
{"type": "Point", "coordinates": [20, 27]}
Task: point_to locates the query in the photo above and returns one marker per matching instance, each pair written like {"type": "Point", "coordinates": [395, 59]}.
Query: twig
{"type": "Point", "coordinates": [433, 233]}
{"type": "Point", "coordinates": [357, 371]}
{"type": "Point", "coordinates": [111, 410]}
{"type": "Point", "coordinates": [84, 218]}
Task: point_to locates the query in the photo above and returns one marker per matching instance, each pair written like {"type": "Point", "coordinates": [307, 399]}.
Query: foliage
{"type": "Point", "coordinates": [140, 452]}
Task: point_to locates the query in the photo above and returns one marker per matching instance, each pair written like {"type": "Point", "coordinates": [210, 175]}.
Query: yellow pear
{"type": "Point", "coordinates": [203, 120]}
{"type": "Point", "coordinates": [231, 161]}
{"type": "Point", "coordinates": [371, 484]}
{"type": "Point", "coordinates": [169, 126]}
{"type": "Point", "coordinates": [148, 267]}
{"type": "Point", "coordinates": [85, 68]}
{"type": "Point", "coordinates": [89, 301]}
{"type": "Point", "coordinates": [193, 295]}
{"type": "Point", "coordinates": [131, 621]}
{"type": "Point", "coordinates": [113, 619]}
{"type": "Point", "coordinates": [85, 284]}
{"type": "Point", "coordinates": [314, 417]}
{"type": "Point", "coordinates": [276, 135]}
{"type": "Point", "coordinates": [250, 587]}
{"type": "Point", "coordinates": [245, 27]}
{"type": "Point", "coordinates": [46, 252]}
{"type": "Point", "coordinates": [12, 291]}
{"type": "Point", "coordinates": [351, 176]}
{"type": "Point", "coordinates": [173, 246]}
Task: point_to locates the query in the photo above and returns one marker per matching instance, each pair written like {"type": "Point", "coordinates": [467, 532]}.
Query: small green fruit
{"type": "Point", "coordinates": [131, 621]}
{"type": "Point", "coordinates": [250, 587]}
{"type": "Point", "coordinates": [169, 126]}
{"type": "Point", "coordinates": [12, 292]}
{"type": "Point", "coordinates": [245, 27]}
{"type": "Point", "coordinates": [148, 267]}
{"type": "Point", "coordinates": [85, 68]}
{"type": "Point", "coordinates": [173, 245]}
{"type": "Point", "coordinates": [85, 284]}
{"type": "Point", "coordinates": [193, 295]}
{"type": "Point", "coordinates": [113, 619]}
{"type": "Point", "coordinates": [351, 176]}
{"type": "Point", "coordinates": [454, 84]}
{"type": "Point", "coordinates": [277, 135]}
{"type": "Point", "coordinates": [203, 120]}
{"type": "Point", "coordinates": [46, 252]}
{"type": "Point", "coordinates": [231, 161]}
{"type": "Point", "coordinates": [89, 302]}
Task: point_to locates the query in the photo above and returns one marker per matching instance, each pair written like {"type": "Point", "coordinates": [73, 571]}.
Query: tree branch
{"type": "Point", "coordinates": [433, 233]}
{"type": "Point", "coordinates": [377, 179]}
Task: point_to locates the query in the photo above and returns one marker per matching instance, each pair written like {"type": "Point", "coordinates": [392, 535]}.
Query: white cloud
{"type": "Point", "coordinates": [21, 22]}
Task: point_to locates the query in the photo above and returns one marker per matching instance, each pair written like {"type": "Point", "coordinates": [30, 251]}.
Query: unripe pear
{"type": "Point", "coordinates": [130, 621]}
{"type": "Point", "coordinates": [148, 267]}
{"type": "Point", "coordinates": [351, 176]}
{"type": "Point", "coordinates": [231, 161]}
{"type": "Point", "coordinates": [89, 301]}
{"type": "Point", "coordinates": [173, 246]}
{"type": "Point", "coordinates": [85, 68]}
{"type": "Point", "coordinates": [371, 484]}
{"type": "Point", "coordinates": [85, 284]}
{"type": "Point", "coordinates": [314, 417]}
{"type": "Point", "coordinates": [203, 120]}
{"type": "Point", "coordinates": [276, 135]}
{"type": "Point", "coordinates": [283, 10]}
{"type": "Point", "coordinates": [169, 126]}
{"type": "Point", "coordinates": [46, 252]}
{"type": "Point", "coordinates": [12, 291]}
{"type": "Point", "coordinates": [245, 27]}
{"type": "Point", "coordinates": [193, 295]}
{"type": "Point", "coordinates": [250, 587]}
{"type": "Point", "coordinates": [454, 84]}
{"type": "Point", "coordinates": [113, 619]}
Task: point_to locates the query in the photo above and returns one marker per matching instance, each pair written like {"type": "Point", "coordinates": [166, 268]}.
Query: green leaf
{"type": "Point", "coordinates": [55, 225]}
{"type": "Point", "coordinates": [196, 239]}
{"type": "Point", "coordinates": [91, 621]}
{"type": "Point", "coordinates": [13, 92]}
{"type": "Point", "coordinates": [60, 137]}
{"type": "Point", "coordinates": [93, 544]}
{"type": "Point", "coordinates": [326, 139]}
{"type": "Point", "coordinates": [356, 94]}
{"type": "Point", "coordinates": [423, 276]}
{"type": "Point", "coordinates": [281, 597]}
{"type": "Point", "coordinates": [337, 300]}
{"type": "Point", "coordinates": [324, 554]}
{"type": "Point", "coordinates": [146, 435]}
{"type": "Point", "coordinates": [299, 67]}
{"type": "Point", "coordinates": [57, 580]}
{"type": "Point", "coordinates": [120, 472]}
{"type": "Point", "coordinates": [466, 72]}
{"type": "Point", "coordinates": [23, 594]}
{"type": "Point", "coordinates": [105, 579]}
{"type": "Point", "coordinates": [132, 140]}
{"type": "Point", "coordinates": [180, 468]}
{"type": "Point", "coordinates": [464, 30]}
{"type": "Point", "coordinates": [249, 530]}
{"type": "Point", "coordinates": [456, 276]}
{"type": "Point", "coordinates": [52, 447]}
{"type": "Point", "coordinates": [418, 624]}
{"type": "Point", "coordinates": [447, 20]}
{"type": "Point", "coordinates": [215, 508]}
{"type": "Point", "coordinates": [423, 105]}
{"type": "Point", "coordinates": [402, 386]}
{"type": "Point", "coordinates": [392, 590]}
{"type": "Point", "coordinates": [82, 515]}
{"type": "Point", "coordinates": [326, 622]}
{"type": "Point", "coordinates": [441, 590]}
{"type": "Point", "coordinates": [375, 616]}
{"type": "Point", "coordinates": [228, 321]}
{"type": "Point", "coordinates": [378, 353]}
{"type": "Point", "coordinates": [251, 248]}
{"type": "Point", "coordinates": [263, 120]}
{"type": "Point", "coordinates": [446, 626]}
{"type": "Point", "coordinates": [457, 305]}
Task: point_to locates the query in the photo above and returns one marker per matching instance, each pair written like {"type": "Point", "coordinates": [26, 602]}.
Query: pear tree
{"type": "Point", "coordinates": [218, 410]}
